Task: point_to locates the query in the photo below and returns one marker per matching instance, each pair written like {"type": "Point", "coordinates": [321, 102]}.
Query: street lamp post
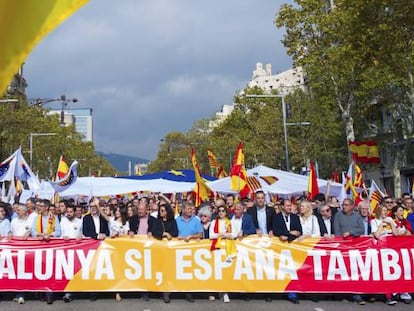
{"type": "Point", "coordinates": [62, 99]}
{"type": "Point", "coordinates": [31, 143]}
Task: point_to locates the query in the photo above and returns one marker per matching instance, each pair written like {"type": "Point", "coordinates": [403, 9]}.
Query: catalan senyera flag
{"type": "Point", "coordinates": [201, 189]}
{"type": "Point", "coordinates": [221, 173]}
{"type": "Point", "coordinates": [63, 168]}
{"type": "Point", "coordinates": [212, 160]}
{"type": "Point", "coordinates": [238, 173]}
{"type": "Point", "coordinates": [270, 180]}
{"type": "Point", "coordinates": [375, 196]}
{"type": "Point", "coordinates": [313, 188]}
{"type": "Point", "coordinates": [23, 24]}
{"type": "Point", "coordinates": [365, 151]}
{"type": "Point", "coordinates": [254, 183]}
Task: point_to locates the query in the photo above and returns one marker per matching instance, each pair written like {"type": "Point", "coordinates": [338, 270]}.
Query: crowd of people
{"type": "Point", "coordinates": [223, 220]}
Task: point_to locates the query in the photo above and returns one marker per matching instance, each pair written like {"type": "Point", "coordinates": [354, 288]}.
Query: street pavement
{"type": "Point", "coordinates": [131, 302]}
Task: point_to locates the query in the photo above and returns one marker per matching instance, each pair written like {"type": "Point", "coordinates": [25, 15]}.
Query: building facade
{"type": "Point", "coordinates": [81, 118]}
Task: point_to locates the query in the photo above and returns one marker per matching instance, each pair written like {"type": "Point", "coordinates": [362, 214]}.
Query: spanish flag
{"type": "Point", "coordinates": [201, 189]}
{"type": "Point", "coordinates": [63, 168]}
{"type": "Point", "coordinates": [23, 24]}
{"type": "Point", "coordinates": [365, 152]}
{"type": "Point", "coordinates": [238, 173]}
{"type": "Point", "coordinates": [313, 188]}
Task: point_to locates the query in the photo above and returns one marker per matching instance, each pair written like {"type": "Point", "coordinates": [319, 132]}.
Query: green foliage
{"type": "Point", "coordinates": [17, 123]}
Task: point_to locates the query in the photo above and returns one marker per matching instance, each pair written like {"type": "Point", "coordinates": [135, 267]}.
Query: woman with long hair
{"type": "Point", "coordinates": [118, 226]}
{"type": "Point", "coordinates": [164, 227]}
{"type": "Point", "coordinates": [382, 225]}
{"type": "Point", "coordinates": [222, 235]}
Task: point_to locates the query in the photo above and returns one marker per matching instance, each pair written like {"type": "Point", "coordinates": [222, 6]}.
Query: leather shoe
{"type": "Point", "coordinates": [145, 297]}
{"type": "Point", "coordinates": [268, 299]}
{"type": "Point", "coordinates": [189, 298]}
{"type": "Point", "coordinates": [294, 301]}
{"type": "Point", "coordinates": [166, 298]}
{"type": "Point", "coordinates": [49, 300]}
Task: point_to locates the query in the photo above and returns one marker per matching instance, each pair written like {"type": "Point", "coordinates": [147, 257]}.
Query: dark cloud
{"type": "Point", "coordinates": [151, 67]}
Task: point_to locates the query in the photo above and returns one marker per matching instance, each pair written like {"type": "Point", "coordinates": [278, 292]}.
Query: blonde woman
{"type": "Point", "coordinates": [383, 225]}
{"type": "Point", "coordinates": [308, 221]}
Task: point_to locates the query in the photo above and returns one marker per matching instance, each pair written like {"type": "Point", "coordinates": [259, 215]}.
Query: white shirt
{"type": "Point", "coordinates": [222, 228]}
{"type": "Point", "coordinates": [4, 227]}
{"type": "Point", "coordinates": [261, 219]}
{"type": "Point", "coordinates": [97, 223]}
{"type": "Point", "coordinates": [327, 222]}
{"type": "Point", "coordinates": [19, 227]}
{"type": "Point", "coordinates": [236, 226]}
{"type": "Point", "coordinates": [71, 228]}
{"type": "Point", "coordinates": [375, 223]}
{"type": "Point", "coordinates": [118, 228]}
{"type": "Point", "coordinates": [310, 226]}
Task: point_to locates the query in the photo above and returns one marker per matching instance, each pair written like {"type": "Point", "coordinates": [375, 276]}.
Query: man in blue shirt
{"type": "Point", "coordinates": [189, 228]}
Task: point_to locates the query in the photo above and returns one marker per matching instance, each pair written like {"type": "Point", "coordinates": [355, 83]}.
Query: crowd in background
{"type": "Point", "coordinates": [222, 220]}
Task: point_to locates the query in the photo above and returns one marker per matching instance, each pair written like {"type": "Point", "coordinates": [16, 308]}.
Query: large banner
{"type": "Point", "coordinates": [359, 265]}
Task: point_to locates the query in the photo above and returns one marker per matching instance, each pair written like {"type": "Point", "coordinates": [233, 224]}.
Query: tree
{"type": "Point", "coordinates": [18, 121]}
{"type": "Point", "coordinates": [319, 40]}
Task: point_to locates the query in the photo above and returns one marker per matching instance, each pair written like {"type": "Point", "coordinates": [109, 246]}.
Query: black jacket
{"type": "Point", "coordinates": [279, 226]}
{"type": "Point", "coordinates": [88, 226]}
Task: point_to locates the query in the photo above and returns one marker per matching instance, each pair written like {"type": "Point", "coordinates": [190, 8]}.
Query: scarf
{"type": "Point", "coordinates": [230, 245]}
{"type": "Point", "coordinates": [50, 228]}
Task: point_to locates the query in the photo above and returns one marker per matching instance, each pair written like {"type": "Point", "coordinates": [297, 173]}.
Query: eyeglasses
{"type": "Point", "coordinates": [221, 211]}
{"type": "Point", "coordinates": [203, 215]}
{"type": "Point", "coordinates": [388, 202]}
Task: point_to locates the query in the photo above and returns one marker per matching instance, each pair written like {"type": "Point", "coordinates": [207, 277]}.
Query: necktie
{"type": "Point", "coordinates": [287, 218]}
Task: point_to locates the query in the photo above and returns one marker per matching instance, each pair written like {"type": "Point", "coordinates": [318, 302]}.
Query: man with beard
{"type": "Point", "coordinates": [45, 226]}
{"type": "Point", "coordinates": [71, 227]}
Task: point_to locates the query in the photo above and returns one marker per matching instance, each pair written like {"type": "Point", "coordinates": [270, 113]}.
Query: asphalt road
{"type": "Point", "coordinates": [131, 301]}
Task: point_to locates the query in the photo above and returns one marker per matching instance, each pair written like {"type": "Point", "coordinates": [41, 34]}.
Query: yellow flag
{"type": "Point", "coordinates": [22, 25]}
{"type": "Point", "coordinates": [201, 190]}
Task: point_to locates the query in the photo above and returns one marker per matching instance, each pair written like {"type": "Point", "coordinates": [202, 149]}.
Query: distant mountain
{"type": "Point", "coordinates": [120, 162]}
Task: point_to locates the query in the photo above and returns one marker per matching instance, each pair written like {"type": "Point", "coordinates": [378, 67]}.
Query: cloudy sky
{"type": "Point", "coordinates": [149, 67]}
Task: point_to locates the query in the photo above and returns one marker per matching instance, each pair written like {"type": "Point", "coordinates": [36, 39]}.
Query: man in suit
{"type": "Point", "coordinates": [242, 223]}
{"type": "Point", "coordinates": [261, 215]}
{"type": "Point", "coordinates": [364, 211]}
{"type": "Point", "coordinates": [140, 224]}
{"type": "Point", "coordinates": [287, 227]}
{"type": "Point", "coordinates": [325, 220]}
{"type": "Point", "coordinates": [95, 225]}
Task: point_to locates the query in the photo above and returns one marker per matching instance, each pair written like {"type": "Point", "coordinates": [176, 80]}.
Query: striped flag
{"type": "Point", "coordinates": [375, 196]}
{"type": "Point", "coordinates": [63, 168]}
{"type": "Point", "coordinates": [238, 173]}
{"type": "Point", "coordinates": [221, 173]}
{"type": "Point", "coordinates": [201, 189]}
{"type": "Point", "coordinates": [254, 183]}
{"type": "Point", "coordinates": [212, 160]}
{"type": "Point", "coordinates": [270, 180]}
